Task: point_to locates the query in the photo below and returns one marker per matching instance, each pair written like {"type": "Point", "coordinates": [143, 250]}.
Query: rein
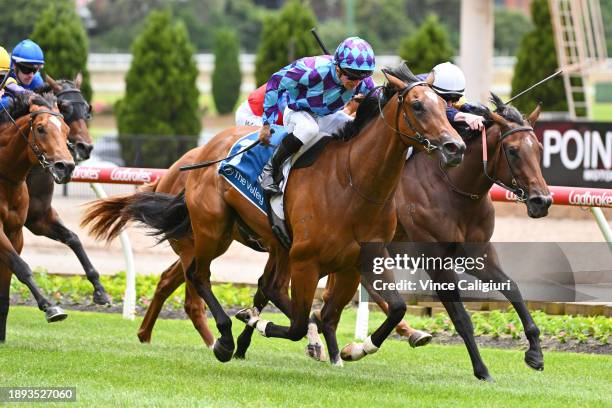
{"type": "Point", "coordinates": [520, 193]}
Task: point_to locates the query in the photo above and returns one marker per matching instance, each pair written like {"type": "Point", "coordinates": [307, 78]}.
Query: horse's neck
{"type": "Point", "coordinates": [14, 159]}
{"type": "Point", "coordinates": [469, 175]}
{"type": "Point", "coordinates": [377, 156]}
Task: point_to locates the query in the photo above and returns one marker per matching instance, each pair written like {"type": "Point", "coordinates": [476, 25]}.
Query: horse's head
{"type": "Point", "coordinates": [421, 116]}
{"type": "Point", "coordinates": [48, 136]}
{"type": "Point", "coordinates": [77, 112]}
{"type": "Point", "coordinates": [517, 157]}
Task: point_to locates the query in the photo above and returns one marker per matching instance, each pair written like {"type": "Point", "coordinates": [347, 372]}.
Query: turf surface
{"type": "Point", "coordinates": [100, 355]}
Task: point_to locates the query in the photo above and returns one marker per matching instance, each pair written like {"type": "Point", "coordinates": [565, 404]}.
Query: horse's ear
{"type": "Point", "coordinates": [54, 85]}
{"type": "Point", "coordinates": [430, 78]}
{"type": "Point", "coordinates": [497, 118]}
{"type": "Point", "coordinates": [533, 116]}
{"type": "Point", "coordinates": [394, 81]}
{"type": "Point", "coordinates": [78, 80]}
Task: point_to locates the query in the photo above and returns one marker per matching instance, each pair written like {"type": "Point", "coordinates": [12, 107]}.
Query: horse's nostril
{"type": "Point", "coordinates": [540, 201]}
{"type": "Point", "coordinates": [60, 166]}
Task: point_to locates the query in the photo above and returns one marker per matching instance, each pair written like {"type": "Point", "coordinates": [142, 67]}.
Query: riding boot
{"type": "Point", "coordinates": [271, 175]}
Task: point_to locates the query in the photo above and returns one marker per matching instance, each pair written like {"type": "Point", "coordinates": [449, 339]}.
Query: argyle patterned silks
{"type": "Point", "coordinates": [309, 84]}
{"type": "Point", "coordinates": [355, 53]}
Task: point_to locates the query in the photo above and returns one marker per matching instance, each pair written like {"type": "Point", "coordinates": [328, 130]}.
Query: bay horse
{"type": "Point", "coordinates": [455, 207]}
{"type": "Point", "coordinates": [43, 219]}
{"type": "Point", "coordinates": [38, 138]}
{"type": "Point", "coordinates": [354, 204]}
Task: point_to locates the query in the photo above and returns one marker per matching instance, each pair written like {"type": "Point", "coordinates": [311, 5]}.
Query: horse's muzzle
{"type": "Point", "coordinates": [538, 205]}
{"type": "Point", "coordinates": [452, 151]}
{"type": "Point", "coordinates": [62, 171]}
{"type": "Point", "coordinates": [81, 151]}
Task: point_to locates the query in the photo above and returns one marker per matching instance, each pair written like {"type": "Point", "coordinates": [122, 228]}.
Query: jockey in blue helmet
{"type": "Point", "coordinates": [26, 60]}
{"type": "Point", "coordinates": [313, 92]}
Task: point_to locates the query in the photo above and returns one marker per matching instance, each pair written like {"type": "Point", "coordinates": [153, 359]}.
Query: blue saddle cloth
{"type": "Point", "coordinates": [242, 171]}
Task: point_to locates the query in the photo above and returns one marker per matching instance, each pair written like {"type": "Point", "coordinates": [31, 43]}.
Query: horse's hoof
{"type": "Point", "coordinates": [316, 352]}
{"type": "Point", "coordinates": [336, 361]}
{"type": "Point", "coordinates": [419, 338]}
{"type": "Point", "coordinates": [246, 315]}
{"type": "Point", "coordinates": [101, 298]}
{"type": "Point", "coordinates": [144, 337]}
{"type": "Point", "coordinates": [485, 377]}
{"type": "Point", "coordinates": [222, 353]}
{"type": "Point", "coordinates": [534, 360]}
{"type": "Point", "coordinates": [352, 352]}
{"type": "Point", "coordinates": [55, 314]}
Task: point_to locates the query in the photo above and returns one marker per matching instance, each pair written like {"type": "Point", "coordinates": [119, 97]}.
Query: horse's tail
{"type": "Point", "coordinates": [149, 187]}
{"type": "Point", "coordinates": [165, 214]}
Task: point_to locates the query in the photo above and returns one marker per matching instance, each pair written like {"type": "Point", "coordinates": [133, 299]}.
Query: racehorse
{"type": "Point", "coordinates": [455, 207]}
{"type": "Point", "coordinates": [39, 137]}
{"type": "Point", "coordinates": [43, 219]}
{"type": "Point", "coordinates": [354, 204]}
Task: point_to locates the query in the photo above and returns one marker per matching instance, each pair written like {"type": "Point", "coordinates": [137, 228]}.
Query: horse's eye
{"type": "Point", "coordinates": [41, 129]}
{"type": "Point", "coordinates": [513, 151]}
{"type": "Point", "coordinates": [417, 106]}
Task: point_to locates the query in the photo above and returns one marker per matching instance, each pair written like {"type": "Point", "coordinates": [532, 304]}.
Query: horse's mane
{"type": "Point", "coordinates": [508, 112]}
{"type": "Point", "coordinates": [43, 96]}
{"type": "Point", "coordinates": [375, 99]}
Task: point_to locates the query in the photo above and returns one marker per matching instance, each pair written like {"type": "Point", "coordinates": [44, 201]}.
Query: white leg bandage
{"type": "Point", "coordinates": [261, 326]}
{"type": "Point", "coordinates": [368, 346]}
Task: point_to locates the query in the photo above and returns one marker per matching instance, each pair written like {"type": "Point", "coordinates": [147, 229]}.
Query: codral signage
{"type": "Point", "coordinates": [576, 153]}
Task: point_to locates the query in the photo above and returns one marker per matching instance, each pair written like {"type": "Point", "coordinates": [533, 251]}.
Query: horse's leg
{"type": "Point", "coordinates": [196, 310]}
{"type": "Point", "coordinates": [416, 338]}
{"type": "Point", "coordinates": [492, 271]}
{"type": "Point", "coordinates": [344, 288]}
{"type": "Point", "coordinates": [260, 300]}
{"type": "Point", "coordinates": [169, 281]}
{"type": "Point", "coordinates": [9, 255]}
{"type": "Point", "coordinates": [451, 299]}
{"type": "Point", "coordinates": [314, 348]}
{"type": "Point", "coordinates": [50, 225]}
{"type": "Point", "coordinates": [304, 279]}
{"type": "Point", "coordinates": [212, 232]}
{"type": "Point", "coordinates": [5, 288]}
{"type": "Point", "coordinates": [397, 308]}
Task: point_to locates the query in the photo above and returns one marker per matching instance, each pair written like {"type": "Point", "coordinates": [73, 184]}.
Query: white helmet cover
{"type": "Point", "coordinates": [448, 79]}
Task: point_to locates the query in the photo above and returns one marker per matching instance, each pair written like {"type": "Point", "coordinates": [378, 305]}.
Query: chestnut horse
{"type": "Point", "coordinates": [43, 219]}
{"type": "Point", "coordinates": [455, 207]}
{"type": "Point", "coordinates": [343, 199]}
{"type": "Point", "coordinates": [39, 138]}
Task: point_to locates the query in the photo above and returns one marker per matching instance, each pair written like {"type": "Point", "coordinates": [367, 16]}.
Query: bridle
{"type": "Point", "coordinates": [64, 95]}
{"type": "Point", "coordinates": [417, 137]}
{"type": "Point", "coordinates": [401, 108]}
{"type": "Point", "coordinates": [516, 189]}
{"type": "Point", "coordinates": [40, 155]}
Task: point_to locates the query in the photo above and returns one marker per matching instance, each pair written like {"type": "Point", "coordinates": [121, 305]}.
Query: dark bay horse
{"type": "Point", "coordinates": [43, 219]}
{"type": "Point", "coordinates": [343, 199]}
{"type": "Point", "coordinates": [455, 207]}
{"type": "Point", "coordinates": [38, 138]}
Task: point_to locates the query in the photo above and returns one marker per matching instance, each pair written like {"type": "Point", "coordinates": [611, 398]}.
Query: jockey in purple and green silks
{"type": "Point", "coordinates": [314, 90]}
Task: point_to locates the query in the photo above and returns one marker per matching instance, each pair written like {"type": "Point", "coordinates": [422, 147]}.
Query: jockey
{"type": "Point", "coordinates": [449, 83]}
{"type": "Point", "coordinates": [10, 87]}
{"type": "Point", "coordinates": [249, 112]}
{"type": "Point", "coordinates": [26, 60]}
{"type": "Point", "coordinates": [314, 90]}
